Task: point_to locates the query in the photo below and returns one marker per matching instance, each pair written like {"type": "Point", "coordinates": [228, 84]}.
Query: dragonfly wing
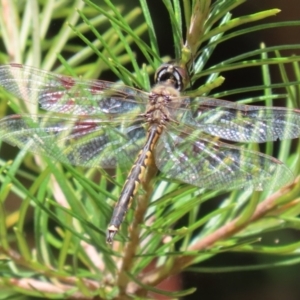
{"type": "Point", "coordinates": [78, 141]}
{"type": "Point", "coordinates": [243, 123]}
{"type": "Point", "coordinates": [214, 165]}
{"type": "Point", "coordinates": [63, 94]}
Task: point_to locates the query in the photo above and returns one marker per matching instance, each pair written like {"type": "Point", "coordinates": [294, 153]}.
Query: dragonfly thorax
{"type": "Point", "coordinates": [160, 99]}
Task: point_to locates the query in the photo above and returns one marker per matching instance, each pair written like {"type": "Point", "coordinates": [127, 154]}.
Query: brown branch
{"type": "Point", "coordinates": [134, 233]}
{"type": "Point", "coordinates": [66, 282]}
{"type": "Point", "coordinates": [229, 229]}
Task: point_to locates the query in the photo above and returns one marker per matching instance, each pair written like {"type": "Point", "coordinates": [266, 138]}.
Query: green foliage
{"type": "Point", "coordinates": [72, 260]}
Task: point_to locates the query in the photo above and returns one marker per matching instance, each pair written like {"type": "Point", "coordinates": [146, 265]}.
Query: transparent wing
{"type": "Point", "coordinates": [65, 94]}
{"type": "Point", "coordinates": [214, 165]}
{"type": "Point", "coordinates": [238, 122]}
{"type": "Point", "coordinates": [83, 141]}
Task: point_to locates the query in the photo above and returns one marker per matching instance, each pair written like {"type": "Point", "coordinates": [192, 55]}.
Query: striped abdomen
{"type": "Point", "coordinates": [132, 182]}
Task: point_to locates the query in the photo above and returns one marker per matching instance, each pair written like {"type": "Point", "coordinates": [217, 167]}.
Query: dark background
{"type": "Point", "coordinates": [271, 284]}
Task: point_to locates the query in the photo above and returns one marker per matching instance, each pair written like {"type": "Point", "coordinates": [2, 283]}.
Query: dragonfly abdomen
{"type": "Point", "coordinates": [132, 182]}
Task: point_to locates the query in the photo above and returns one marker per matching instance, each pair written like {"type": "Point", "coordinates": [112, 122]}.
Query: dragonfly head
{"type": "Point", "coordinates": [173, 75]}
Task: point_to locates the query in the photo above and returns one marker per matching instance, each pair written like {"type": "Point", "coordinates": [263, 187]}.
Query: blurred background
{"type": "Point", "coordinates": [276, 283]}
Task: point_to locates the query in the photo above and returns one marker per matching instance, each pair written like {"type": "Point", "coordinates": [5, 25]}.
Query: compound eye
{"type": "Point", "coordinates": [160, 73]}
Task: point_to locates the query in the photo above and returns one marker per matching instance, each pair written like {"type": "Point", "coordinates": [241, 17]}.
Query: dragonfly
{"type": "Point", "coordinates": [95, 123]}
